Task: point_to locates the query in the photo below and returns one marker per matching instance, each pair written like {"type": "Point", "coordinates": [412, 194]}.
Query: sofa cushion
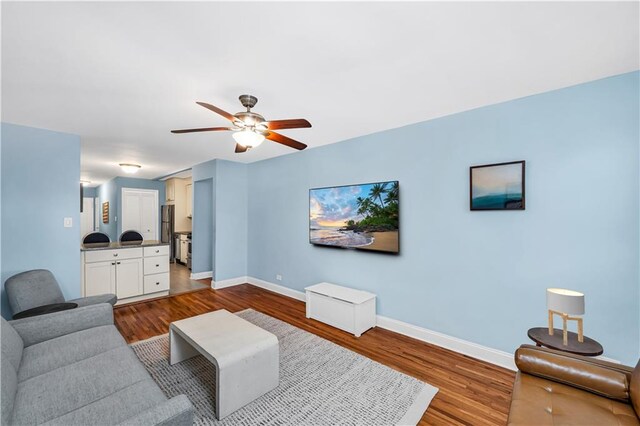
{"type": "Point", "coordinates": [12, 344]}
{"type": "Point", "coordinates": [9, 380]}
{"type": "Point", "coordinates": [63, 390]}
{"type": "Point", "coordinates": [115, 408]}
{"type": "Point", "coordinates": [543, 402]}
{"type": "Point", "coordinates": [61, 351]}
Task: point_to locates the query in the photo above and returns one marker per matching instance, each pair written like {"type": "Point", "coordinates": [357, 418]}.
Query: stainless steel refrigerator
{"type": "Point", "coordinates": [168, 214]}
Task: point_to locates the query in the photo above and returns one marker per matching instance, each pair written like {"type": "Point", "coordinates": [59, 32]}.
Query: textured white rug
{"type": "Point", "coordinates": [321, 383]}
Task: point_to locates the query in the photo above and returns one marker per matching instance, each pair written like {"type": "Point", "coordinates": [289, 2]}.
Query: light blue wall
{"type": "Point", "coordinates": [231, 221]}
{"type": "Point", "coordinates": [107, 192]}
{"type": "Point", "coordinates": [203, 218]}
{"type": "Point", "coordinates": [203, 230]}
{"type": "Point", "coordinates": [89, 192]}
{"type": "Point", "coordinates": [40, 187]}
{"type": "Point", "coordinates": [112, 191]}
{"type": "Point", "coordinates": [219, 241]}
{"type": "Point", "coordinates": [479, 276]}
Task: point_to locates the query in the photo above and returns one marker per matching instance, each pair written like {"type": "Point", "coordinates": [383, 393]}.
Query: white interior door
{"type": "Point", "coordinates": [149, 215]}
{"type": "Point", "coordinates": [140, 212]}
{"type": "Point", "coordinates": [86, 217]}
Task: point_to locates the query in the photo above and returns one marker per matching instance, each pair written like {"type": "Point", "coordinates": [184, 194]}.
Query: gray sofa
{"type": "Point", "coordinates": [74, 367]}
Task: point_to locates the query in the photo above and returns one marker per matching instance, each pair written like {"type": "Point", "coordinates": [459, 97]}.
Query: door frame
{"type": "Point", "coordinates": [156, 204]}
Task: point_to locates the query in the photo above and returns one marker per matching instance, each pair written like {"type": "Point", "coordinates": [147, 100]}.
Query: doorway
{"type": "Point", "coordinates": [140, 212]}
{"type": "Point", "coordinates": [87, 217]}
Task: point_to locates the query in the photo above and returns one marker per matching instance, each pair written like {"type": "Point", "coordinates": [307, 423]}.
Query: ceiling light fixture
{"type": "Point", "coordinates": [248, 138]}
{"type": "Point", "coordinates": [130, 168]}
{"type": "Point", "coordinates": [85, 182]}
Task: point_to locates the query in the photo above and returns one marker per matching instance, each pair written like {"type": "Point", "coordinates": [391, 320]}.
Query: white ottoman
{"type": "Point", "coordinates": [246, 357]}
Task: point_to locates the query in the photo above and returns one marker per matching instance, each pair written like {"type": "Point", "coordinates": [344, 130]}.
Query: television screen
{"type": "Point", "coordinates": [363, 216]}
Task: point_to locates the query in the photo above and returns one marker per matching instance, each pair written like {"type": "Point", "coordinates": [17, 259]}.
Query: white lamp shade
{"type": "Point", "coordinates": [565, 301]}
{"type": "Point", "coordinates": [248, 138]}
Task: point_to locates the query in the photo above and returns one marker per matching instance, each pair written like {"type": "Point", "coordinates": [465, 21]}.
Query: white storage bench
{"type": "Point", "coordinates": [345, 308]}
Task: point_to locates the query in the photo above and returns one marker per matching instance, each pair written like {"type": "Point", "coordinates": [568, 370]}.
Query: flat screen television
{"type": "Point", "coordinates": [364, 217]}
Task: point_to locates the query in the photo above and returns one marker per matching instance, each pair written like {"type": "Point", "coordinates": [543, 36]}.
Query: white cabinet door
{"type": "Point", "coordinates": [129, 281]}
{"type": "Point", "coordinates": [99, 278]}
{"type": "Point", "coordinates": [170, 190]}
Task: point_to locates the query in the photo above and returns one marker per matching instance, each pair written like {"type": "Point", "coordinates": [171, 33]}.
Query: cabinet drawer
{"type": "Point", "coordinates": [156, 251]}
{"type": "Point", "coordinates": [156, 265]}
{"type": "Point", "coordinates": [156, 282]}
{"type": "Point", "coordinates": [117, 254]}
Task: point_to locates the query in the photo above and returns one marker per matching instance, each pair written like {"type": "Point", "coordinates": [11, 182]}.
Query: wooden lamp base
{"type": "Point", "coordinates": [565, 318]}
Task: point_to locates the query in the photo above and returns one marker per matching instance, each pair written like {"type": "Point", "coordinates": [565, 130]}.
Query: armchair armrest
{"type": "Point", "coordinates": [600, 377]}
{"type": "Point", "coordinates": [177, 411]}
{"type": "Point", "coordinates": [45, 327]}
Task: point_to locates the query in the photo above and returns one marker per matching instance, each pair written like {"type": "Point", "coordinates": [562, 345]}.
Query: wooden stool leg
{"type": "Point", "coordinates": [580, 335]}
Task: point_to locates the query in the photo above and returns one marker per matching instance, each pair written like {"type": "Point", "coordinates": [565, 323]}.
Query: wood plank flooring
{"type": "Point", "coordinates": [471, 392]}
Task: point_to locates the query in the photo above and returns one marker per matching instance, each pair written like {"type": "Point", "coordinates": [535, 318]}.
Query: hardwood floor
{"type": "Point", "coordinates": [471, 392]}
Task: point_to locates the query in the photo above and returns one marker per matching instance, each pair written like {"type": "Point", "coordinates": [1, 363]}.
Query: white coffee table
{"type": "Point", "coordinates": [246, 357]}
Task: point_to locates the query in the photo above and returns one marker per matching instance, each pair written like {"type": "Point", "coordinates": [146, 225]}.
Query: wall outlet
{"type": "Point", "coordinates": [68, 222]}
{"type": "Point", "coordinates": [279, 277]}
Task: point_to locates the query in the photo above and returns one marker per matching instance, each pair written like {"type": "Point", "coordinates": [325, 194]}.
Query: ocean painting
{"type": "Point", "coordinates": [356, 216]}
{"type": "Point", "coordinates": [497, 186]}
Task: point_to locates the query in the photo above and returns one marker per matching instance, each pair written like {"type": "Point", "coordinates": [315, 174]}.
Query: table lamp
{"type": "Point", "coordinates": [565, 303]}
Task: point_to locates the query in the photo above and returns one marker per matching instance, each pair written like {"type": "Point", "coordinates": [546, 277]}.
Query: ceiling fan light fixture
{"type": "Point", "coordinates": [130, 168]}
{"type": "Point", "coordinates": [248, 138]}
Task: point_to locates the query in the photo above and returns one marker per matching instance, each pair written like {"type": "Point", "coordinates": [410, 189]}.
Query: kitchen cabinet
{"type": "Point", "coordinates": [170, 190]}
{"type": "Point", "coordinates": [131, 273]}
{"type": "Point", "coordinates": [128, 278]}
{"type": "Point", "coordinates": [189, 189]}
{"type": "Point", "coordinates": [102, 276]}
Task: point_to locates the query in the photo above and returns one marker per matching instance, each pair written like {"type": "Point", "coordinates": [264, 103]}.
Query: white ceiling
{"type": "Point", "coordinates": [121, 75]}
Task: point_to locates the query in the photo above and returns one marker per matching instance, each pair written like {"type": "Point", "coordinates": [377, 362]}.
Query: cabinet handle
{"type": "Point", "coordinates": [157, 266]}
{"type": "Point", "coordinates": [158, 283]}
{"type": "Point", "coordinates": [113, 263]}
{"type": "Point", "coordinates": [157, 251]}
{"type": "Point", "coordinates": [118, 263]}
{"type": "Point", "coordinates": [115, 254]}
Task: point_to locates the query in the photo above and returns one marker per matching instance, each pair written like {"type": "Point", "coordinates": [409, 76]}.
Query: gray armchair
{"type": "Point", "coordinates": [39, 287]}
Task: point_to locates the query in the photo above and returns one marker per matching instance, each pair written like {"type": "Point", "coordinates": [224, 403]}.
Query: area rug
{"type": "Point", "coordinates": [321, 383]}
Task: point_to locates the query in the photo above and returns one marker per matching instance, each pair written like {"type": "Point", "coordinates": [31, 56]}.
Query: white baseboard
{"type": "Point", "coordinates": [484, 353]}
{"type": "Point", "coordinates": [276, 288]}
{"type": "Point", "coordinates": [201, 275]}
{"type": "Point", "coordinates": [474, 350]}
{"type": "Point", "coordinates": [217, 285]}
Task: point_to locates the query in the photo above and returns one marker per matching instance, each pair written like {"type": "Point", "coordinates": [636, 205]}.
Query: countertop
{"type": "Point", "coordinates": [117, 245]}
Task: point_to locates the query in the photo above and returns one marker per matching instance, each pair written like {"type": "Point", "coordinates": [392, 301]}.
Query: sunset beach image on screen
{"type": "Point", "coordinates": [362, 216]}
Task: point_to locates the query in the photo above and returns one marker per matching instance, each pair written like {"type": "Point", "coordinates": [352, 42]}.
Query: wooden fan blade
{"type": "Point", "coordinates": [240, 148]}
{"type": "Point", "coordinates": [277, 137]}
{"type": "Point", "coordinates": [204, 129]}
{"type": "Point", "coordinates": [294, 123]}
{"type": "Point", "coordinates": [217, 110]}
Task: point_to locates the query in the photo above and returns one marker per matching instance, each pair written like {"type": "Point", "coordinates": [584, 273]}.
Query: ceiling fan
{"type": "Point", "coordinates": [251, 128]}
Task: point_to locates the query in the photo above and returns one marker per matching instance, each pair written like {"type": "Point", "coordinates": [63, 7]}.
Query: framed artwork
{"type": "Point", "coordinates": [105, 212]}
{"type": "Point", "coordinates": [497, 186]}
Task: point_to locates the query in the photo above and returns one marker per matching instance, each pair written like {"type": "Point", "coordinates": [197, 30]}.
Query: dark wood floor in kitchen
{"type": "Point", "coordinates": [471, 392]}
